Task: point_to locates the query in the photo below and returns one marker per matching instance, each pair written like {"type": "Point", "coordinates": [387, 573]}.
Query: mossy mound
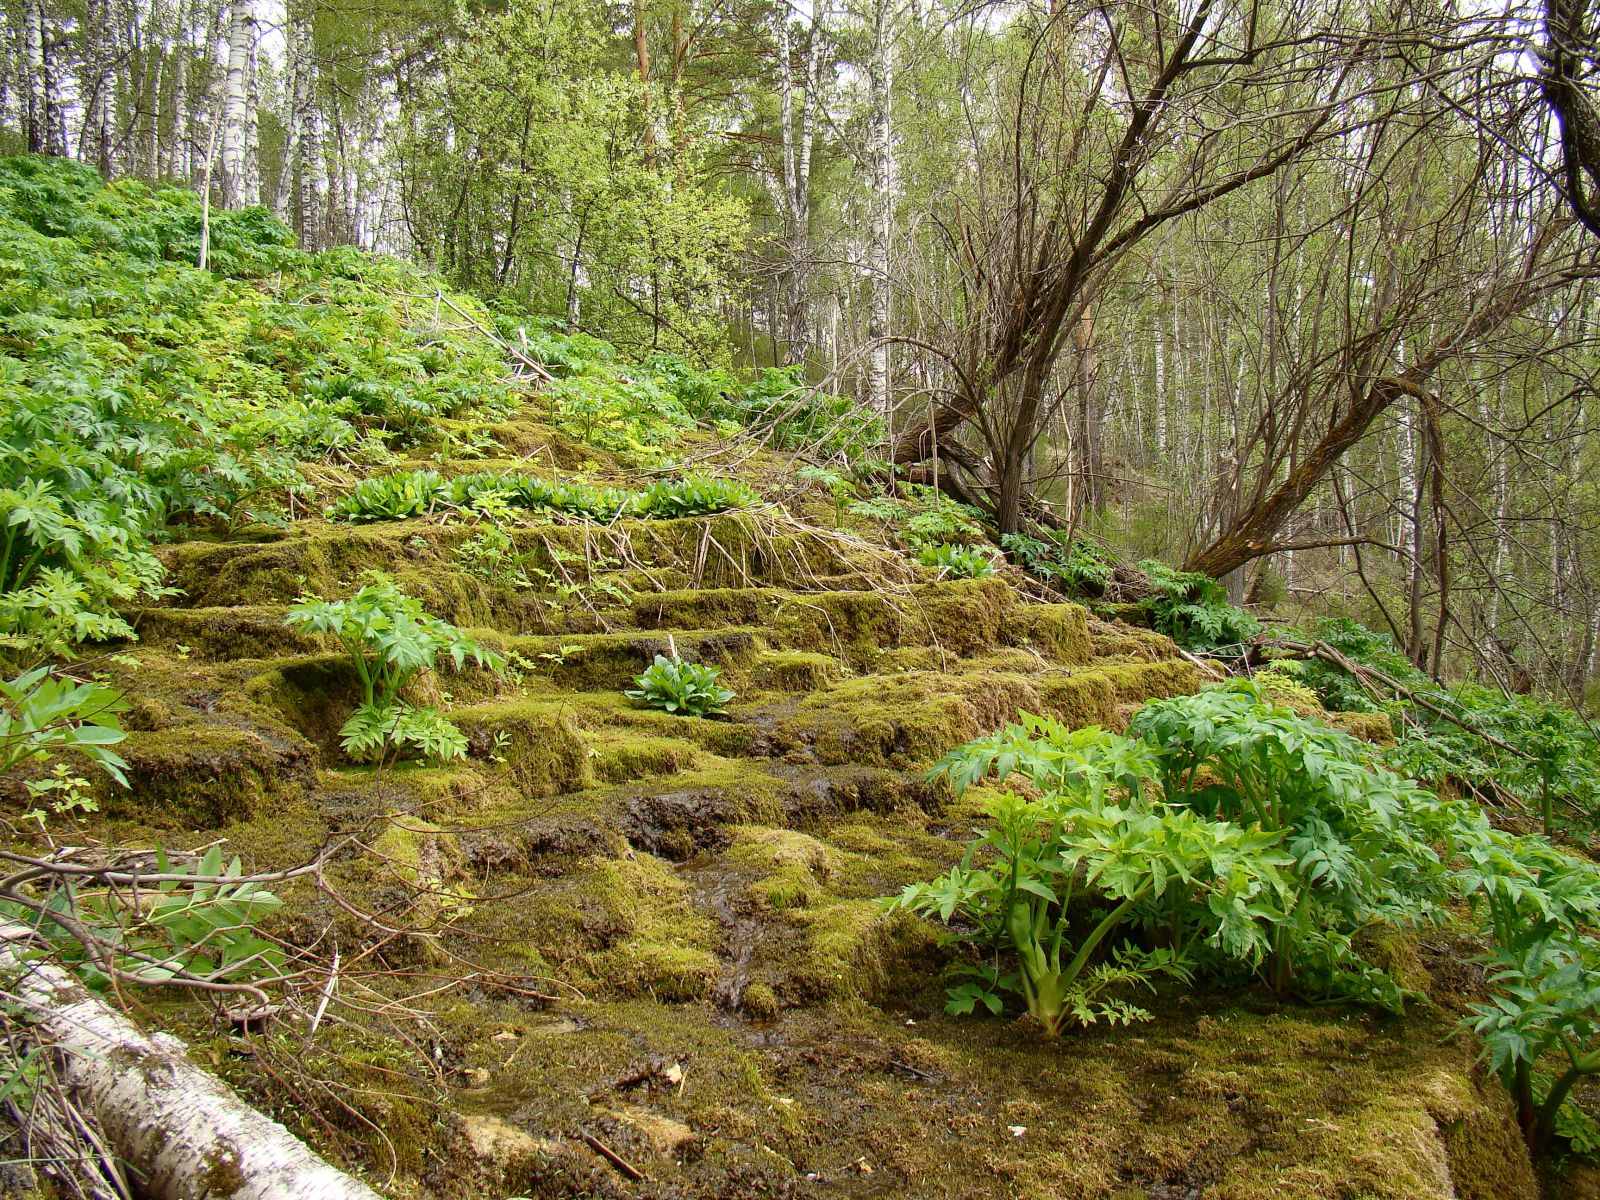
{"type": "Point", "coordinates": [622, 894]}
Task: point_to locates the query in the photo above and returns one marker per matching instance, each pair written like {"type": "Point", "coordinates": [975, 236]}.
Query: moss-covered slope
{"type": "Point", "coordinates": [661, 932]}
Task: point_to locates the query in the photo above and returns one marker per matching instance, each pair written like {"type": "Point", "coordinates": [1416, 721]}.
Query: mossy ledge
{"type": "Point", "coordinates": [610, 885]}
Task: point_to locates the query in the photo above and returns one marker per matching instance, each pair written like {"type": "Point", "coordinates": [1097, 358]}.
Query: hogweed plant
{"type": "Point", "coordinates": [1095, 840]}
{"type": "Point", "coordinates": [390, 640]}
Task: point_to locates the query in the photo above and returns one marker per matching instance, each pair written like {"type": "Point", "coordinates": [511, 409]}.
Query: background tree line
{"type": "Point", "coordinates": [1300, 295]}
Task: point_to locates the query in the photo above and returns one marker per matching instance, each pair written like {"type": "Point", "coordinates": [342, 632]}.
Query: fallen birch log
{"type": "Point", "coordinates": [182, 1132]}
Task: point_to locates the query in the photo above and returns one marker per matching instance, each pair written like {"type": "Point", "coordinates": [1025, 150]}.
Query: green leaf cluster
{"type": "Point", "coordinates": [389, 640]}
{"type": "Point", "coordinates": [201, 928]}
{"type": "Point", "coordinates": [685, 688]}
{"type": "Point", "coordinates": [1545, 753]}
{"type": "Point", "coordinates": [1078, 566]}
{"type": "Point", "coordinates": [417, 493]}
{"type": "Point", "coordinates": [137, 390]}
{"type": "Point", "coordinates": [42, 714]}
{"type": "Point", "coordinates": [1053, 880]}
{"type": "Point", "coordinates": [1193, 610]}
{"type": "Point", "coordinates": [958, 562]}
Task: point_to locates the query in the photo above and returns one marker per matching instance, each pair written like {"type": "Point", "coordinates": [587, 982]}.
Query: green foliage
{"type": "Point", "coordinates": [1540, 905]}
{"type": "Point", "coordinates": [527, 179]}
{"type": "Point", "coordinates": [1081, 566]}
{"type": "Point", "coordinates": [1193, 610]}
{"type": "Point", "coordinates": [1546, 754]}
{"type": "Point", "coordinates": [137, 391]}
{"type": "Point", "coordinates": [389, 639]}
{"type": "Point", "coordinates": [688, 689]}
{"type": "Point", "coordinates": [391, 497]}
{"type": "Point", "coordinates": [959, 562]}
{"type": "Point", "coordinates": [787, 413]}
{"type": "Point", "coordinates": [692, 497]}
{"type": "Point", "coordinates": [1053, 879]}
{"type": "Point", "coordinates": [945, 522]}
{"type": "Point", "coordinates": [194, 925]}
{"type": "Point", "coordinates": [42, 714]}
{"type": "Point", "coordinates": [417, 493]}
{"type": "Point", "coordinates": [1363, 840]}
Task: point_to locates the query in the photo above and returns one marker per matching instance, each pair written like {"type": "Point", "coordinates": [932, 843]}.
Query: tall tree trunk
{"type": "Point", "coordinates": [236, 104]}
{"type": "Point", "coordinates": [36, 110]}
{"type": "Point", "coordinates": [797, 136]}
{"type": "Point", "coordinates": [880, 83]}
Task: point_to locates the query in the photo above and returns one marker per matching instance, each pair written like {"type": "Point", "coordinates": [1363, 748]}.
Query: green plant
{"type": "Point", "coordinates": [688, 689]}
{"type": "Point", "coordinates": [1363, 840]}
{"type": "Point", "coordinates": [42, 714]}
{"type": "Point", "coordinates": [1193, 610]}
{"type": "Point", "coordinates": [693, 497]}
{"type": "Point", "coordinates": [959, 562]}
{"type": "Point", "coordinates": [1081, 566]}
{"type": "Point", "coordinates": [943, 522]}
{"type": "Point", "coordinates": [1053, 879]}
{"type": "Point", "coordinates": [1544, 973]}
{"type": "Point", "coordinates": [192, 922]}
{"type": "Point", "coordinates": [389, 639]}
{"type": "Point", "coordinates": [60, 794]}
{"type": "Point", "coordinates": [391, 497]}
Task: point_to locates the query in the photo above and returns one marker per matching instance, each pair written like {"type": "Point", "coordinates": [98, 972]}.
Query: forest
{"type": "Point", "coordinates": [799, 598]}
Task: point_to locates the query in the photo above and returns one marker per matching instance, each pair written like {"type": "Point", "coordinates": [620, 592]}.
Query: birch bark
{"type": "Point", "coordinates": [185, 1133]}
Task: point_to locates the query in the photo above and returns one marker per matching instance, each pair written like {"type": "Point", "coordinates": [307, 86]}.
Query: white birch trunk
{"type": "Point", "coordinates": [36, 109]}
{"type": "Point", "coordinates": [880, 82]}
{"type": "Point", "coordinates": [182, 1130]}
{"type": "Point", "coordinates": [236, 103]}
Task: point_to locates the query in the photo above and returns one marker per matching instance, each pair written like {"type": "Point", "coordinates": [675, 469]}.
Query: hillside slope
{"type": "Point", "coordinates": [618, 952]}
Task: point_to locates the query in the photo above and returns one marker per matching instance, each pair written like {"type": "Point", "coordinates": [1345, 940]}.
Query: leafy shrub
{"type": "Point", "coordinates": [960, 562]}
{"type": "Point", "coordinates": [137, 391]}
{"type": "Point", "coordinates": [1097, 840]}
{"type": "Point", "coordinates": [197, 927]}
{"type": "Point", "coordinates": [392, 497]}
{"type": "Point", "coordinates": [688, 689]}
{"type": "Point", "coordinates": [1193, 610]}
{"type": "Point", "coordinates": [42, 714]}
{"type": "Point", "coordinates": [417, 493]}
{"type": "Point", "coordinates": [694, 497]}
{"type": "Point", "coordinates": [1539, 905]}
{"type": "Point", "coordinates": [1541, 752]}
{"type": "Point", "coordinates": [793, 416]}
{"type": "Point", "coordinates": [1079, 566]}
{"type": "Point", "coordinates": [390, 639]}
{"type": "Point", "coordinates": [1362, 839]}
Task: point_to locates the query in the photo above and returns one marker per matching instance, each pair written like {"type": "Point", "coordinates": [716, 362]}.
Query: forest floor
{"type": "Point", "coordinates": [635, 954]}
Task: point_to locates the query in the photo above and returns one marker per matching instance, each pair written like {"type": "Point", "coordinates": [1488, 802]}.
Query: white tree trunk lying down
{"type": "Point", "coordinates": [184, 1134]}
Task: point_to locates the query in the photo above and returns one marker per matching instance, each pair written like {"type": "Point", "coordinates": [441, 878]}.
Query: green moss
{"type": "Point", "coordinates": [852, 949]}
{"type": "Point", "coordinates": [904, 720]}
{"type": "Point", "coordinates": [854, 626]}
{"type": "Point", "coordinates": [793, 868]}
{"type": "Point", "coordinates": [662, 970]}
{"type": "Point", "coordinates": [795, 671]}
{"type": "Point", "coordinates": [620, 756]}
{"type": "Point", "coordinates": [665, 946]}
{"type": "Point", "coordinates": [961, 616]}
{"type": "Point", "coordinates": [759, 1002]}
{"type": "Point", "coordinates": [208, 776]}
{"type": "Point", "coordinates": [708, 608]}
{"type": "Point", "coordinates": [607, 661]}
{"type": "Point", "coordinates": [1060, 632]}
{"type": "Point", "coordinates": [545, 754]}
{"type": "Point", "coordinates": [1100, 695]}
{"type": "Point", "coordinates": [255, 631]}
{"type": "Point", "coordinates": [1369, 727]}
